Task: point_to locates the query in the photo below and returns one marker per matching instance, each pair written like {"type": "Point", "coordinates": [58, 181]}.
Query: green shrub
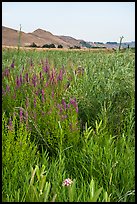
{"type": "Point", "coordinates": [18, 153]}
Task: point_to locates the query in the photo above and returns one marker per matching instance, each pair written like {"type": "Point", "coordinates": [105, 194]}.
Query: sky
{"type": "Point", "coordinates": [89, 21]}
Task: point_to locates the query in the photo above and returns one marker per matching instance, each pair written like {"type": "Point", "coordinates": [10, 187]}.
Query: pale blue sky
{"type": "Point", "coordinates": [90, 21]}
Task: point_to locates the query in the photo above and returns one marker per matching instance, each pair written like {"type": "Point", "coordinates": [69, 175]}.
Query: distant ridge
{"type": "Point", "coordinates": [41, 37]}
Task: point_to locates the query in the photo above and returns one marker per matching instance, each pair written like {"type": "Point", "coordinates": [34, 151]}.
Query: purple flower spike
{"type": "Point", "coordinates": [7, 88]}
{"type": "Point", "coordinates": [17, 82]}
{"type": "Point", "coordinates": [27, 77]}
{"type": "Point", "coordinates": [46, 68]}
{"type": "Point", "coordinates": [10, 124]}
{"type": "Point", "coordinates": [64, 104]}
{"type": "Point", "coordinates": [60, 108]}
{"type": "Point", "coordinates": [12, 65]}
{"type": "Point", "coordinates": [68, 105]}
{"type": "Point", "coordinates": [40, 74]}
{"type": "Point", "coordinates": [52, 94]}
{"type": "Point", "coordinates": [21, 114]}
{"type": "Point", "coordinates": [77, 109]}
{"type": "Point", "coordinates": [34, 80]}
{"type": "Point", "coordinates": [60, 76]}
{"type": "Point", "coordinates": [42, 92]}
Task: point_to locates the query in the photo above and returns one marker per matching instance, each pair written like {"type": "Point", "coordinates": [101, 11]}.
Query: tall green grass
{"type": "Point", "coordinates": [76, 122]}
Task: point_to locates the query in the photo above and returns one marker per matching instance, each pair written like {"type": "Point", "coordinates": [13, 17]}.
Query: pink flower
{"type": "Point", "coordinates": [67, 182]}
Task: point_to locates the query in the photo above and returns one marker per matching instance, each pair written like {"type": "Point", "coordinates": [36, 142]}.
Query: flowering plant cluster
{"type": "Point", "coordinates": [67, 182]}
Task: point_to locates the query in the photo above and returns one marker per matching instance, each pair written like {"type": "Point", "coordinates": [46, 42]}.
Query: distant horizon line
{"type": "Point", "coordinates": [97, 41]}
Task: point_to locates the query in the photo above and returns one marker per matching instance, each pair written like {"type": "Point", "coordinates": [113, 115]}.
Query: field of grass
{"type": "Point", "coordinates": [68, 115]}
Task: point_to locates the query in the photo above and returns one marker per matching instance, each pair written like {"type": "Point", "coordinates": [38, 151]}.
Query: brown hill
{"type": "Point", "coordinates": [70, 40]}
{"type": "Point", "coordinates": [39, 37]}
{"type": "Point", "coordinates": [50, 38]}
{"type": "Point", "coordinates": [10, 38]}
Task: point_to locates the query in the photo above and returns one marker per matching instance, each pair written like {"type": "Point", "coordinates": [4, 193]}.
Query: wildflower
{"type": "Point", "coordinates": [68, 105]}
{"type": "Point", "coordinates": [40, 74]}
{"type": "Point", "coordinates": [53, 77]}
{"type": "Point", "coordinates": [67, 182]}
{"type": "Point", "coordinates": [17, 82]}
{"type": "Point", "coordinates": [46, 68]}
{"type": "Point", "coordinates": [77, 109]}
{"type": "Point", "coordinates": [60, 76]}
{"type": "Point", "coordinates": [10, 124]}
{"type": "Point", "coordinates": [7, 88]}
{"type": "Point", "coordinates": [34, 80]}
{"type": "Point", "coordinates": [6, 73]}
{"type": "Point", "coordinates": [34, 102]}
{"type": "Point", "coordinates": [60, 108]}
{"type": "Point", "coordinates": [74, 103]}
{"type": "Point", "coordinates": [12, 64]}
{"type": "Point", "coordinates": [27, 77]}
{"type": "Point", "coordinates": [64, 104]}
{"type": "Point", "coordinates": [21, 114]}
{"type": "Point", "coordinates": [46, 84]}
{"type": "Point", "coordinates": [52, 94]}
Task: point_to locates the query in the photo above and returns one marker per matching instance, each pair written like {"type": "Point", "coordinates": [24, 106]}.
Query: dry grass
{"type": "Point", "coordinates": [62, 49]}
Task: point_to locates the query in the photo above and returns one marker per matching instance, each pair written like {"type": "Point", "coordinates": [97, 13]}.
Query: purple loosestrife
{"type": "Point", "coordinates": [26, 118]}
{"type": "Point", "coordinates": [40, 74]}
{"type": "Point", "coordinates": [74, 103]}
{"type": "Point", "coordinates": [6, 73]}
{"type": "Point", "coordinates": [46, 69]}
{"type": "Point", "coordinates": [64, 104]}
{"type": "Point", "coordinates": [52, 94]}
{"type": "Point", "coordinates": [21, 115]}
{"type": "Point", "coordinates": [68, 106]}
{"type": "Point", "coordinates": [27, 77]}
{"type": "Point", "coordinates": [10, 126]}
{"type": "Point", "coordinates": [7, 88]}
{"type": "Point", "coordinates": [47, 83]}
{"type": "Point", "coordinates": [60, 76]}
{"type": "Point", "coordinates": [34, 80]}
{"type": "Point", "coordinates": [12, 64]}
{"type": "Point", "coordinates": [60, 108]}
{"type": "Point", "coordinates": [53, 77]}
{"type": "Point", "coordinates": [17, 82]}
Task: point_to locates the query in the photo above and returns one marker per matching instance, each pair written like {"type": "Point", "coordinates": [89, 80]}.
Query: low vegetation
{"type": "Point", "coordinates": [68, 122]}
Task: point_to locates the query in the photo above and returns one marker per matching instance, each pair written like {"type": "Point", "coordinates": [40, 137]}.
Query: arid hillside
{"type": "Point", "coordinates": [10, 37]}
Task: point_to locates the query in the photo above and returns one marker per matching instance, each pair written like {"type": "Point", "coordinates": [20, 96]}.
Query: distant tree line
{"type": "Point", "coordinates": [52, 46]}
{"type": "Point", "coordinates": [45, 46]}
